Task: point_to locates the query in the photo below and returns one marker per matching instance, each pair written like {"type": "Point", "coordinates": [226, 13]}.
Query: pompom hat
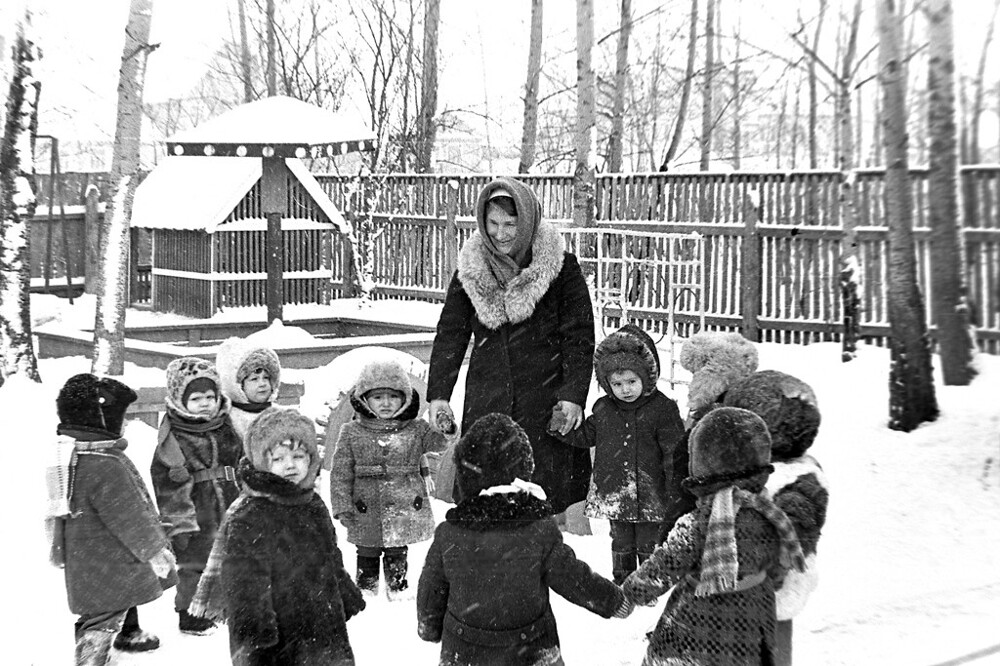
{"type": "Point", "coordinates": [91, 402]}
{"type": "Point", "coordinates": [276, 425]}
{"type": "Point", "coordinates": [787, 405]}
{"type": "Point", "coordinates": [628, 348]}
{"type": "Point", "coordinates": [493, 452]}
{"type": "Point", "coordinates": [728, 445]}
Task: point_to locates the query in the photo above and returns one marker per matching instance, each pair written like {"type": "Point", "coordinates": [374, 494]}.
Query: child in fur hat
{"type": "Point", "coordinates": [725, 556]}
{"type": "Point", "coordinates": [193, 473]}
{"type": "Point", "coordinates": [797, 485]}
{"type": "Point", "coordinates": [716, 361]}
{"type": "Point", "coordinates": [250, 379]}
{"type": "Point", "coordinates": [116, 554]}
{"type": "Point", "coordinates": [636, 430]}
{"type": "Point", "coordinates": [286, 594]}
{"type": "Point", "coordinates": [376, 487]}
{"type": "Point", "coordinates": [484, 589]}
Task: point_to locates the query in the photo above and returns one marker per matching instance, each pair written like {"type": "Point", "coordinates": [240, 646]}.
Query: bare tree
{"type": "Point", "coordinates": [529, 131]}
{"type": "Point", "coordinates": [979, 88]}
{"type": "Point", "coordinates": [850, 268]}
{"type": "Point", "coordinates": [707, 118]}
{"type": "Point", "coordinates": [583, 176]}
{"type": "Point", "coordinates": [948, 302]}
{"type": "Point", "coordinates": [675, 137]}
{"type": "Point", "coordinates": [245, 61]}
{"type": "Point", "coordinates": [17, 206]}
{"type": "Point", "coordinates": [272, 45]}
{"type": "Point", "coordinates": [813, 92]}
{"type": "Point", "coordinates": [618, 103]}
{"type": "Point", "coordinates": [109, 325]}
{"type": "Point", "coordinates": [912, 399]}
{"type": "Point", "coordinates": [426, 129]}
{"type": "Point", "coordinates": [737, 90]}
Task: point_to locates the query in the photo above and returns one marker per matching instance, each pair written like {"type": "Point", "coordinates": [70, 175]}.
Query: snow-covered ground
{"type": "Point", "coordinates": [909, 559]}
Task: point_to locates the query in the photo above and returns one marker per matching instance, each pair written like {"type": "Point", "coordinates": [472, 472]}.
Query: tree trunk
{"type": "Point", "coordinates": [813, 93]}
{"type": "Point", "coordinates": [109, 325]}
{"type": "Point", "coordinates": [675, 138]}
{"type": "Point", "coordinates": [426, 128]}
{"type": "Point", "coordinates": [272, 66]}
{"type": "Point", "coordinates": [707, 119]}
{"type": "Point", "coordinates": [911, 384]}
{"type": "Point", "coordinates": [244, 53]}
{"type": "Point", "coordinates": [621, 75]}
{"type": "Point", "coordinates": [737, 93]}
{"type": "Point", "coordinates": [529, 130]}
{"type": "Point", "coordinates": [979, 90]}
{"type": "Point", "coordinates": [583, 176]}
{"type": "Point", "coordinates": [951, 311]}
{"type": "Point", "coordinates": [92, 239]}
{"type": "Point", "coordinates": [850, 267]}
{"type": "Point", "coordinates": [17, 172]}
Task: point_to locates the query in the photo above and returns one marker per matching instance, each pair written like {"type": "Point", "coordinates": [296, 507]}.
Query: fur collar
{"type": "Point", "coordinates": [259, 483]}
{"type": "Point", "coordinates": [497, 305]}
{"type": "Point", "coordinates": [506, 511]}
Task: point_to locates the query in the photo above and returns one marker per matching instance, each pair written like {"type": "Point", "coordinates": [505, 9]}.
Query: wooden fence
{"type": "Point", "coordinates": [793, 220]}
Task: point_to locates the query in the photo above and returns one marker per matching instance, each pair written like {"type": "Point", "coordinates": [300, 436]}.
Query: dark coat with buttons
{"type": "Point", "coordinates": [484, 589]}
{"type": "Point", "coordinates": [634, 479]}
{"type": "Point", "coordinates": [376, 475]}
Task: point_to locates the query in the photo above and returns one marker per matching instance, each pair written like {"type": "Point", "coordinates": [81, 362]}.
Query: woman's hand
{"type": "Point", "coordinates": [441, 417]}
{"type": "Point", "coordinates": [574, 416]}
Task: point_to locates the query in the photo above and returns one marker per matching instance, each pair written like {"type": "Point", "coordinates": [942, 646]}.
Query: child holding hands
{"type": "Point", "coordinates": [376, 485]}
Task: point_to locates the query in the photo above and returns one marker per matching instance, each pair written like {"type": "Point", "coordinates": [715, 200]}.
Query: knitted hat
{"type": "Point", "coordinates": [276, 425]}
{"type": "Point", "coordinates": [493, 452]}
{"type": "Point", "coordinates": [388, 374]}
{"type": "Point", "coordinates": [787, 405]}
{"type": "Point", "coordinates": [728, 444]}
{"type": "Point", "coordinates": [628, 348]}
{"type": "Point", "coordinates": [237, 360]}
{"type": "Point", "coordinates": [91, 402]}
{"type": "Point", "coordinates": [716, 361]}
{"type": "Point", "coordinates": [181, 372]}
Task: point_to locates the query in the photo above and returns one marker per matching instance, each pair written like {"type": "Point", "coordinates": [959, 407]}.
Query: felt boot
{"type": "Point", "coordinates": [132, 638]}
{"type": "Point", "coordinates": [194, 625]}
{"type": "Point", "coordinates": [368, 575]}
{"type": "Point", "coordinates": [396, 585]}
{"type": "Point", "coordinates": [93, 647]}
{"type": "Point", "coordinates": [622, 564]}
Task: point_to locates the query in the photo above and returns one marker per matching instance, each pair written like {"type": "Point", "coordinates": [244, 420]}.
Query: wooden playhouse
{"type": "Point", "coordinates": [209, 235]}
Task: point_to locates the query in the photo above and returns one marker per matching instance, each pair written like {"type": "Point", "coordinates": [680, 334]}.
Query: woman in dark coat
{"type": "Point", "coordinates": [524, 302]}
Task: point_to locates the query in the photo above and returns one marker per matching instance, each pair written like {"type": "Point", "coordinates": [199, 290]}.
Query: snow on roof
{"type": "Point", "coordinates": [276, 120]}
{"type": "Point", "coordinates": [198, 193]}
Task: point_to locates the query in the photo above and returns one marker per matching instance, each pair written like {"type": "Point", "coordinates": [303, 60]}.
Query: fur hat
{"type": "Point", "coordinates": [716, 361]}
{"type": "Point", "coordinates": [237, 360]}
{"type": "Point", "coordinates": [181, 372]}
{"type": "Point", "coordinates": [787, 405]}
{"type": "Point", "coordinates": [271, 428]}
{"type": "Point", "coordinates": [628, 348]}
{"type": "Point", "coordinates": [493, 452]}
{"type": "Point", "coordinates": [388, 374]}
{"type": "Point", "coordinates": [727, 445]}
{"type": "Point", "coordinates": [92, 402]}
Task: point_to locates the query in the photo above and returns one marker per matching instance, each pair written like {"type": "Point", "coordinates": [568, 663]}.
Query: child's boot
{"type": "Point", "coordinates": [368, 575]}
{"type": "Point", "coordinates": [132, 638]}
{"type": "Point", "coordinates": [396, 585]}
{"type": "Point", "coordinates": [622, 564]}
{"type": "Point", "coordinates": [194, 625]}
{"type": "Point", "coordinates": [93, 646]}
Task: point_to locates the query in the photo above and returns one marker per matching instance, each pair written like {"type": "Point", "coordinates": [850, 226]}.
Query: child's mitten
{"type": "Point", "coordinates": [163, 563]}
{"type": "Point", "coordinates": [557, 421]}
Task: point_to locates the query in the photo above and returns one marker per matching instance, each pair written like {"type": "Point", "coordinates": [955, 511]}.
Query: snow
{"type": "Point", "coordinates": [909, 561]}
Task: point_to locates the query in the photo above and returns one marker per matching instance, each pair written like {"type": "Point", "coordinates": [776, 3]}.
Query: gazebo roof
{"type": "Point", "coordinates": [199, 193]}
{"type": "Point", "coordinates": [274, 126]}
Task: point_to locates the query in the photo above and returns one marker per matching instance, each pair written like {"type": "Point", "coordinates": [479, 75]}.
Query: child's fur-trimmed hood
{"type": "Point", "coordinates": [274, 426]}
{"type": "Point", "coordinates": [237, 359]}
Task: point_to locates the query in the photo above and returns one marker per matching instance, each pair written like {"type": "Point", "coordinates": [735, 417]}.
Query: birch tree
{"type": "Point", "coordinates": [948, 302]}
{"type": "Point", "coordinates": [112, 293]}
{"type": "Point", "coordinates": [426, 129]}
{"type": "Point", "coordinates": [912, 399]}
{"type": "Point", "coordinates": [529, 130]}
{"type": "Point", "coordinates": [675, 136]}
{"type": "Point", "coordinates": [583, 176]}
{"type": "Point", "coordinates": [707, 119]}
{"type": "Point", "coordinates": [618, 103]}
{"type": "Point", "coordinates": [17, 206]}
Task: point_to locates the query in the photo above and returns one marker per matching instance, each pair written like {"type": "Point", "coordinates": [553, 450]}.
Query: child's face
{"type": "Point", "coordinates": [202, 403]}
{"type": "Point", "coordinates": [384, 402]}
{"type": "Point", "coordinates": [257, 386]}
{"type": "Point", "coordinates": [626, 385]}
{"type": "Point", "coordinates": [290, 461]}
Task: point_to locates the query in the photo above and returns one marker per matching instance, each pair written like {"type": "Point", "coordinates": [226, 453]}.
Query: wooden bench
{"type": "Point", "coordinates": [149, 408]}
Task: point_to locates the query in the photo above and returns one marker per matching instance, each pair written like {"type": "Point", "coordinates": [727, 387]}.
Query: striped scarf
{"type": "Point", "coordinates": [719, 561]}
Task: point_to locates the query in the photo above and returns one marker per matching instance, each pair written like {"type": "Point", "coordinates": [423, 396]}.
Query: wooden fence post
{"type": "Point", "coordinates": [91, 232]}
{"type": "Point", "coordinates": [451, 231]}
{"type": "Point", "coordinates": [751, 274]}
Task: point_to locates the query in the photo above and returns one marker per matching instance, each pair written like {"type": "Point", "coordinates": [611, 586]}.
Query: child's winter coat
{"type": "Point", "coordinates": [235, 361]}
{"type": "Point", "coordinates": [113, 531]}
{"type": "Point", "coordinates": [287, 596]}
{"type": "Point", "coordinates": [724, 557]}
{"type": "Point", "coordinates": [635, 442]}
{"type": "Point", "coordinates": [193, 466]}
{"type": "Point", "coordinates": [484, 589]}
{"type": "Point", "coordinates": [376, 468]}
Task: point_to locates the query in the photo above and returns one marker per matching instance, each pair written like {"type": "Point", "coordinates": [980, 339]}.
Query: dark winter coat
{"type": "Point", "coordinates": [287, 594]}
{"type": "Point", "coordinates": [113, 533]}
{"type": "Point", "coordinates": [731, 629]}
{"type": "Point", "coordinates": [633, 461]}
{"type": "Point", "coordinates": [533, 345]}
{"type": "Point", "coordinates": [798, 487]}
{"type": "Point", "coordinates": [376, 475]}
{"type": "Point", "coordinates": [190, 507]}
{"type": "Point", "coordinates": [484, 588]}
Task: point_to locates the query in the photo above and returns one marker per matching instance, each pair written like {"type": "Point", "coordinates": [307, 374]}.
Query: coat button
{"type": "Point", "coordinates": [461, 631]}
{"type": "Point", "coordinates": [524, 636]}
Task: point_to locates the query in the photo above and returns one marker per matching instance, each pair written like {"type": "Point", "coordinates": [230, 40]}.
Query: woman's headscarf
{"type": "Point", "coordinates": [529, 213]}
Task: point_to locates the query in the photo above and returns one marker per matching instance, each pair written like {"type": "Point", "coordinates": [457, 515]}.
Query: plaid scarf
{"type": "Point", "coordinates": [719, 562]}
